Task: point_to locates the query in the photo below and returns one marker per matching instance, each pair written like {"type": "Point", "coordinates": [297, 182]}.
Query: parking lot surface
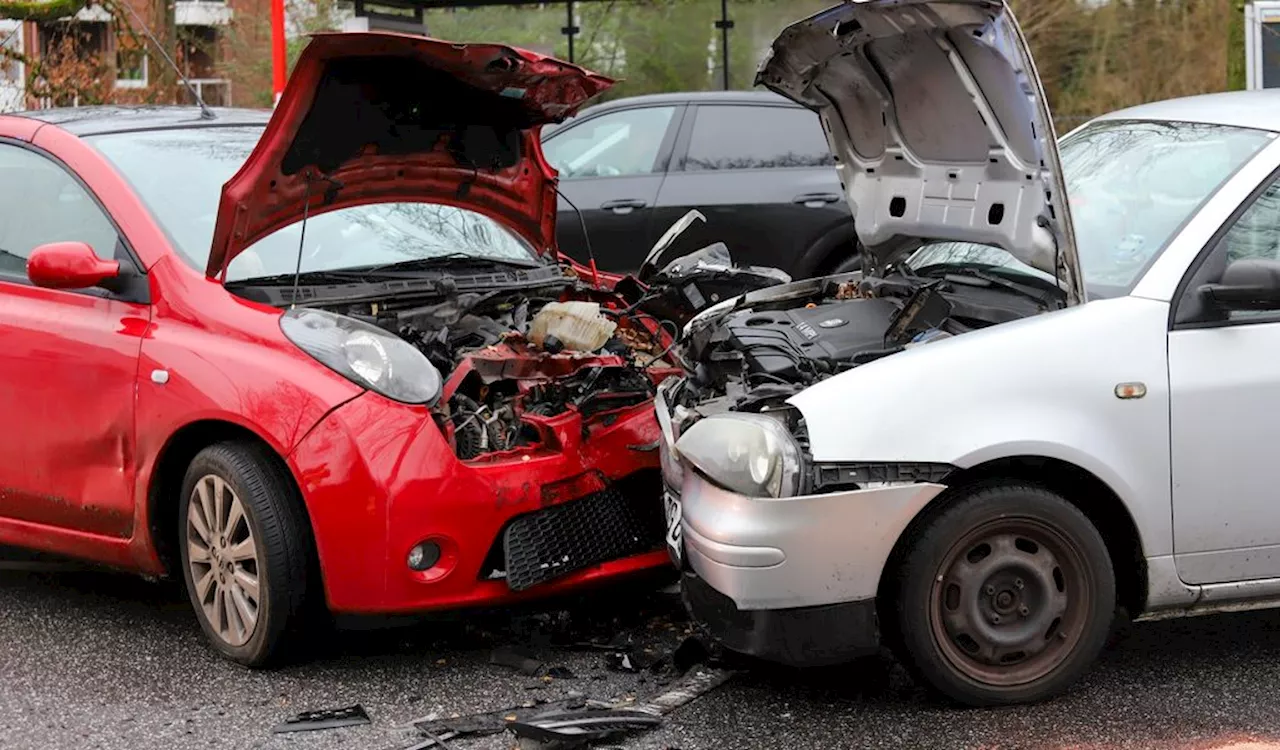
{"type": "Point", "coordinates": [98, 660]}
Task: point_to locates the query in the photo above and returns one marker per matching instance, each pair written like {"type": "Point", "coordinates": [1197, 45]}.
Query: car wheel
{"type": "Point", "coordinates": [245, 551]}
{"type": "Point", "coordinates": [848, 265]}
{"type": "Point", "coordinates": [1005, 596]}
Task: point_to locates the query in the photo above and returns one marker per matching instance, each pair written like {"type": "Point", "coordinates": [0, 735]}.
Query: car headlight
{"type": "Point", "coordinates": [365, 354]}
{"type": "Point", "coordinates": [750, 454]}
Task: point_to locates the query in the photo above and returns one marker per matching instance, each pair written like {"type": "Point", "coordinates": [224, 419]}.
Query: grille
{"type": "Point", "coordinates": [622, 520]}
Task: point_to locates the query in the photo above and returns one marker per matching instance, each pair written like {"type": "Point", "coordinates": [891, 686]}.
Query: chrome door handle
{"type": "Point", "coordinates": [622, 206]}
{"type": "Point", "coordinates": [816, 200]}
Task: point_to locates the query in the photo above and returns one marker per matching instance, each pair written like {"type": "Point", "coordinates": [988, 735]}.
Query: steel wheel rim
{"type": "Point", "coordinates": [222, 559]}
{"type": "Point", "coordinates": [1010, 601]}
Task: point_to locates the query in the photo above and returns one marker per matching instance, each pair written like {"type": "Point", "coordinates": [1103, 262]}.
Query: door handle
{"type": "Point", "coordinates": [816, 200]}
{"type": "Point", "coordinates": [623, 205]}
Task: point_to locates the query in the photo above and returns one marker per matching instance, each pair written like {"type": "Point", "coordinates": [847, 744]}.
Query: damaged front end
{"type": "Point", "coordinates": [540, 383]}
{"type": "Point", "coordinates": [516, 385]}
{"type": "Point", "coordinates": [949, 161]}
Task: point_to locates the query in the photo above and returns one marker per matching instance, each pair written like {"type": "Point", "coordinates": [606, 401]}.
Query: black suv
{"type": "Point", "coordinates": [755, 164]}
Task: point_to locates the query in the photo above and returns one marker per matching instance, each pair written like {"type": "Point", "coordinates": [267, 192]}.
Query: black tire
{"type": "Point", "coordinates": [1012, 561]}
{"type": "Point", "coordinates": [282, 567]}
{"type": "Point", "coordinates": [847, 265]}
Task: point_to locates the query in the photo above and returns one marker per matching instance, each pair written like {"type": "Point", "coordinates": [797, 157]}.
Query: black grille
{"type": "Point", "coordinates": [621, 520]}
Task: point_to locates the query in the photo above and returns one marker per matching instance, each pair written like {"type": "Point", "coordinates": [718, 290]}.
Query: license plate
{"type": "Point", "coordinates": [675, 539]}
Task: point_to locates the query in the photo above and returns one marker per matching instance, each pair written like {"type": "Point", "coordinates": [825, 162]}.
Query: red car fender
{"type": "Point", "coordinates": [211, 360]}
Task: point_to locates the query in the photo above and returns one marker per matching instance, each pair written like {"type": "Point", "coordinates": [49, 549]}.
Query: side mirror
{"type": "Point", "coordinates": [1248, 284]}
{"type": "Point", "coordinates": [69, 265]}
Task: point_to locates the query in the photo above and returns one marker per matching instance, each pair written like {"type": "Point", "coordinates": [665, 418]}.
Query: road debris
{"type": "Point", "coordinates": [333, 718]}
{"type": "Point", "coordinates": [552, 731]}
{"type": "Point", "coordinates": [520, 659]}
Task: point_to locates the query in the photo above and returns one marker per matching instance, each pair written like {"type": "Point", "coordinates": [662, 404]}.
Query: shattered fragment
{"type": "Point", "coordinates": [574, 728]}
{"type": "Point", "coordinates": [517, 658]}
{"type": "Point", "coordinates": [308, 721]}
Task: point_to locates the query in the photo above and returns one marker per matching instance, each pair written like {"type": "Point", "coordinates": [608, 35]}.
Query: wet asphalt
{"type": "Point", "coordinates": [99, 660]}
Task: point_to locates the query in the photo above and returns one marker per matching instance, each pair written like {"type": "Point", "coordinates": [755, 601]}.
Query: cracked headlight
{"type": "Point", "coordinates": [364, 354]}
{"type": "Point", "coordinates": [750, 454]}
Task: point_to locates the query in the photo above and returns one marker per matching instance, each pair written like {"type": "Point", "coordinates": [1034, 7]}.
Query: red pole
{"type": "Point", "coordinates": [279, 59]}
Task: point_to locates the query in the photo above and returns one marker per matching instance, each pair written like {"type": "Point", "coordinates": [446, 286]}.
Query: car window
{"type": "Point", "coordinates": [1255, 235]}
{"type": "Point", "coordinates": [40, 202]}
{"type": "Point", "coordinates": [745, 137]}
{"type": "Point", "coordinates": [179, 175]}
{"type": "Point", "coordinates": [1131, 185]}
{"type": "Point", "coordinates": [612, 145]}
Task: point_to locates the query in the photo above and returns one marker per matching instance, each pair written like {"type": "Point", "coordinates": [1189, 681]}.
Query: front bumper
{"type": "Point", "coordinates": [378, 478]}
{"type": "Point", "coordinates": [790, 580]}
{"type": "Point", "coordinates": [783, 553]}
{"type": "Point", "coordinates": [799, 637]}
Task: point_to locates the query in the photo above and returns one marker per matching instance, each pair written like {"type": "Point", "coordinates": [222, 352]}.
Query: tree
{"type": "Point", "coordinates": [165, 23]}
{"type": "Point", "coordinates": [70, 71]}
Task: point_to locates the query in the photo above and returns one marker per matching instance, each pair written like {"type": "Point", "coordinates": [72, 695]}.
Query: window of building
{"type": "Point", "coordinates": [131, 68]}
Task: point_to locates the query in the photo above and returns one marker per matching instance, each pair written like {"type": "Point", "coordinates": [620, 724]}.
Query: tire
{"type": "Point", "coordinates": [271, 547]}
{"type": "Point", "coordinates": [1010, 562]}
{"type": "Point", "coordinates": [849, 264]}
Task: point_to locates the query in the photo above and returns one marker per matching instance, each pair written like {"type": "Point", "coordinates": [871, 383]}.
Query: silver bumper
{"type": "Point", "coordinates": [795, 552]}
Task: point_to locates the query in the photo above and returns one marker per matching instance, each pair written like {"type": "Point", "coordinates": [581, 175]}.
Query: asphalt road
{"type": "Point", "coordinates": [97, 660]}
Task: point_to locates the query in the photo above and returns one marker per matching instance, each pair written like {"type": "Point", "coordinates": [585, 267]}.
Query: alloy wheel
{"type": "Point", "coordinates": [223, 559]}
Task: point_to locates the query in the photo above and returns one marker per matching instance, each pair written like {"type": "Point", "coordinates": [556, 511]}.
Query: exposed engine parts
{"type": "Point", "coordinates": [777, 341]}
{"type": "Point", "coordinates": [517, 364]}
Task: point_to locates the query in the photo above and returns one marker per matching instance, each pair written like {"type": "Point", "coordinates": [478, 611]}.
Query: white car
{"type": "Point", "coordinates": [1023, 414]}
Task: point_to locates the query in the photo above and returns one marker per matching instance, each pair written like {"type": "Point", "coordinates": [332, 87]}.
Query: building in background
{"type": "Point", "coordinates": [1262, 44]}
{"type": "Point", "coordinates": [98, 55]}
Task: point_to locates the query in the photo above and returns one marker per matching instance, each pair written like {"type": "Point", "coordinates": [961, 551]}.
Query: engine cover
{"type": "Point", "coordinates": [780, 342]}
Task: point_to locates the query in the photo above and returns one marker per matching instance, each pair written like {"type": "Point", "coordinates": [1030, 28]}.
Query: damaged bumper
{"type": "Point", "coordinates": [379, 479]}
{"type": "Point", "coordinates": [790, 579]}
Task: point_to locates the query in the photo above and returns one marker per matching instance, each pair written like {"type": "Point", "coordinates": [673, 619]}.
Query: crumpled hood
{"type": "Point", "coordinates": [938, 119]}
{"type": "Point", "coordinates": [380, 117]}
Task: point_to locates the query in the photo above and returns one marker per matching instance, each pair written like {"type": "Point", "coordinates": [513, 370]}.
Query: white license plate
{"type": "Point", "coordinates": [675, 514]}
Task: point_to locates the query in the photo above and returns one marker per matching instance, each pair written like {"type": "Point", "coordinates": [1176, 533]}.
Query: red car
{"type": "Point", "coordinates": [356, 374]}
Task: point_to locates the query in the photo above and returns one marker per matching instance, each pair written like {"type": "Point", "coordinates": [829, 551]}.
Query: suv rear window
{"type": "Point", "coordinates": [746, 137]}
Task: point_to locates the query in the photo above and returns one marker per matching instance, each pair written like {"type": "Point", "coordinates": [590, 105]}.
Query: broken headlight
{"type": "Point", "coordinates": [364, 354]}
{"type": "Point", "coordinates": [750, 454]}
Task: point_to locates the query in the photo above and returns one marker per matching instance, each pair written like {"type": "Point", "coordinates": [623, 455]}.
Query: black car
{"type": "Point", "coordinates": [755, 164]}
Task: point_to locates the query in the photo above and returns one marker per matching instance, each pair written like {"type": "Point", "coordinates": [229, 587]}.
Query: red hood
{"type": "Point", "coordinates": [379, 118]}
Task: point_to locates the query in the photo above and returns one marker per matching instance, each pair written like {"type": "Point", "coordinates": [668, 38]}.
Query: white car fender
{"type": "Point", "coordinates": [1044, 387]}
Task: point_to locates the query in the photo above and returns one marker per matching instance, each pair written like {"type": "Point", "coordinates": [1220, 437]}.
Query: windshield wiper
{"type": "Point", "coordinates": [988, 273]}
{"type": "Point", "coordinates": [435, 261]}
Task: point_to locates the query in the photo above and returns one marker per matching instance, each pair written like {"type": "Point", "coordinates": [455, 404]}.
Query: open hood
{"type": "Point", "coordinates": [380, 117]}
{"type": "Point", "coordinates": [938, 119]}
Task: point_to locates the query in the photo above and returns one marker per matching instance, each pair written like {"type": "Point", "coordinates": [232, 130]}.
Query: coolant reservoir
{"type": "Point", "coordinates": [579, 326]}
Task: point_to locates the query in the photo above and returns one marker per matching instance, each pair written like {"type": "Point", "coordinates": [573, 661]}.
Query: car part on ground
{"type": "Point", "coordinates": [333, 718]}
{"type": "Point", "coordinates": [555, 730]}
{"type": "Point", "coordinates": [577, 719]}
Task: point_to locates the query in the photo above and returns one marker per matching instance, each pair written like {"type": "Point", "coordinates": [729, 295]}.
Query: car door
{"type": "Point", "coordinates": [611, 165]}
{"type": "Point", "coordinates": [68, 360]}
{"type": "Point", "coordinates": [764, 177]}
{"type": "Point", "coordinates": [1224, 391]}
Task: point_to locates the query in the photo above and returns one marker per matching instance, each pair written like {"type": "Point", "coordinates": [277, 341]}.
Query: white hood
{"type": "Point", "coordinates": [938, 119]}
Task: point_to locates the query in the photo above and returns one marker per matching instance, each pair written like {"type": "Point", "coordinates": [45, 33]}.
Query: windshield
{"type": "Point", "coordinates": [179, 175]}
{"type": "Point", "coordinates": [1132, 185]}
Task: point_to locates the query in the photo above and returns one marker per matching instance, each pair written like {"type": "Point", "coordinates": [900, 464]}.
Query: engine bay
{"type": "Point", "coordinates": [753, 354]}
{"type": "Point", "coordinates": [517, 364]}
